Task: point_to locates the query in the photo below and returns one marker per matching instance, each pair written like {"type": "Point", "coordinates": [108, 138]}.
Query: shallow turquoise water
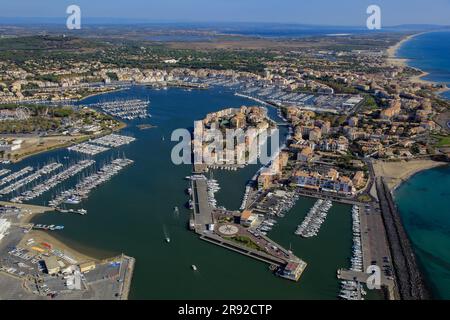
{"type": "Point", "coordinates": [424, 203]}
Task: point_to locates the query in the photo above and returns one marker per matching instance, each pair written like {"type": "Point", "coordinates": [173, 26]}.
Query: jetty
{"type": "Point", "coordinates": [409, 281]}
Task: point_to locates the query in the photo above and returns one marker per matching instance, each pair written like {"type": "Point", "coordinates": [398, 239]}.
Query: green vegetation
{"type": "Point", "coordinates": [364, 198]}
{"type": "Point", "coordinates": [41, 118]}
{"type": "Point", "coordinates": [40, 110]}
{"type": "Point", "coordinates": [33, 124]}
{"type": "Point", "coordinates": [112, 76]}
{"type": "Point", "coordinates": [442, 141]}
{"type": "Point", "coordinates": [246, 241]}
{"type": "Point", "coordinates": [61, 52]}
{"type": "Point", "coordinates": [369, 103]}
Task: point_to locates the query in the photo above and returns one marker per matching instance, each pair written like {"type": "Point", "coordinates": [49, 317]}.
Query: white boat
{"type": "Point", "coordinates": [194, 267]}
{"type": "Point", "coordinates": [167, 239]}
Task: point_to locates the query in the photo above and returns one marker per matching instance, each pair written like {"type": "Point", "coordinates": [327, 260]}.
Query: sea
{"type": "Point", "coordinates": [424, 200]}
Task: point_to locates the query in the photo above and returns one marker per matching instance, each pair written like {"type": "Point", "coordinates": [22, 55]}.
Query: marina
{"type": "Point", "coordinates": [277, 203]}
{"type": "Point", "coordinates": [352, 289]}
{"type": "Point", "coordinates": [87, 148]}
{"type": "Point", "coordinates": [129, 109]}
{"type": "Point", "coordinates": [82, 189]}
{"type": "Point", "coordinates": [273, 94]}
{"type": "Point", "coordinates": [102, 144]}
{"type": "Point", "coordinates": [53, 181]}
{"type": "Point", "coordinates": [113, 140]}
{"type": "Point", "coordinates": [47, 169]}
{"type": "Point", "coordinates": [16, 175]}
{"type": "Point", "coordinates": [206, 222]}
{"type": "Point", "coordinates": [151, 199]}
{"type": "Point", "coordinates": [4, 171]}
{"type": "Point", "coordinates": [313, 221]}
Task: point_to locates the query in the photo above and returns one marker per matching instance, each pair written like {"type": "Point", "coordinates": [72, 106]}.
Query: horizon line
{"type": "Point", "coordinates": [141, 21]}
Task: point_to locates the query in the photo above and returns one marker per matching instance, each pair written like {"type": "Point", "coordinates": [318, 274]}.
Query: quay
{"type": "Point", "coordinates": [125, 276]}
{"type": "Point", "coordinates": [202, 210]}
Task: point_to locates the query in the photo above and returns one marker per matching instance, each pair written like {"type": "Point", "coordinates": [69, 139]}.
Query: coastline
{"type": "Point", "coordinates": [100, 93]}
{"type": "Point", "coordinates": [394, 60]}
{"type": "Point", "coordinates": [396, 173]}
{"type": "Point", "coordinates": [41, 236]}
{"type": "Point", "coordinates": [393, 50]}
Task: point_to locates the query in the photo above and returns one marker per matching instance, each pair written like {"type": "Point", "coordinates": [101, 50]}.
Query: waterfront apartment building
{"type": "Point", "coordinates": [265, 179]}
{"type": "Point", "coordinates": [330, 182]}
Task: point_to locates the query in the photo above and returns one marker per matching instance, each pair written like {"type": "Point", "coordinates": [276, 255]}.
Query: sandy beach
{"type": "Point", "coordinates": [31, 211]}
{"type": "Point", "coordinates": [396, 173]}
{"type": "Point", "coordinates": [44, 237]}
{"type": "Point", "coordinates": [392, 51]}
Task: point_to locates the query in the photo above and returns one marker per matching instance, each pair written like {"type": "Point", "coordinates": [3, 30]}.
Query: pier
{"type": "Point", "coordinates": [202, 210]}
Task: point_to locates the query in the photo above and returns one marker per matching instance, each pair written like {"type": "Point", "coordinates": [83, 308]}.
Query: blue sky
{"type": "Point", "coordinates": [323, 12]}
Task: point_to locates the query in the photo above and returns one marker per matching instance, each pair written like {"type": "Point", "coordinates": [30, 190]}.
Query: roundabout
{"type": "Point", "coordinates": [228, 230]}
